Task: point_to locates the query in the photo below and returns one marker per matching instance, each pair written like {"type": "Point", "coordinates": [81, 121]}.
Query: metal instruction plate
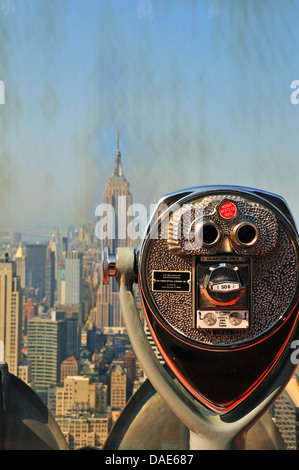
{"type": "Point", "coordinates": [171, 281]}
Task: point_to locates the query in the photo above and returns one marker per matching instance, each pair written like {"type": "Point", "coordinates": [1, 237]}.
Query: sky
{"type": "Point", "coordinates": [199, 89]}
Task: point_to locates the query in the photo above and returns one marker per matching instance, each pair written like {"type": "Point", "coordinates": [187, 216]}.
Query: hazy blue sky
{"type": "Point", "coordinates": [200, 89]}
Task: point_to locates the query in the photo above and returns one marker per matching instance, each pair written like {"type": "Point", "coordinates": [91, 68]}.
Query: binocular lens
{"type": "Point", "coordinates": [246, 234]}
{"type": "Point", "coordinates": [208, 234]}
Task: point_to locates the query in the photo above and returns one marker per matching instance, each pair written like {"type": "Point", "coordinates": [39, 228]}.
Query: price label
{"type": "Point", "coordinates": [225, 286]}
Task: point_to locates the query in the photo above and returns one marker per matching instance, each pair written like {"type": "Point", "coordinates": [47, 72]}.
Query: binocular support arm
{"type": "Point", "coordinates": [208, 431]}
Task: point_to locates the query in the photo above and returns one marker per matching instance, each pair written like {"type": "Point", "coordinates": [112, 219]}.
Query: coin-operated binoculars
{"type": "Point", "coordinates": [218, 279]}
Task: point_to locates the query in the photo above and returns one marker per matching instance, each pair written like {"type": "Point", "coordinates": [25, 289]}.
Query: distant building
{"type": "Point", "coordinates": [36, 268]}
{"type": "Point", "coordinates": [72, 311]}
{"type": "Point", "coordinates": [29, 311]}
{"type": "Point", "coordinates": [99, 396]}
{"type": "Point", "coordinates": [50, 278]}
{"type": "Point", "coordinates": [10, 316]}
{"type": "Point", "coordinates": [73, 278]}
{"type": "Point", "coordinates": [74, 391]}
{"type": "Point", "coordinates": [64, 247]}
{"type": "Point", "coordinates": [20, 261]}
{"type": "Point", "coordinates": [118, 196]}
{"type": "Point", "coordinates": [69, 367]}
{"type": "Point", "coordinates": [77, 394]}
{"type": "Point", "coordinates": [132, 370]}
{"type": "Point", "coordinates": [46, 349]}
{"type": "Point", "coordinates": [25, 373]}
{"type": "Point", "coordinates": [61, 286]}
{"type": "Point", "coordinates": [91, 339]}
{"type": "Point", "coordinates": [85, 430]}
{"type": "Point", "coordinates": [73, 336]}
{"type": "Point", "coordinates": [118, 385]}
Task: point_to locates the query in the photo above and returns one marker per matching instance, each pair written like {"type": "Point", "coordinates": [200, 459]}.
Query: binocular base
{"type": "Point", "coordinates": [147, 423]}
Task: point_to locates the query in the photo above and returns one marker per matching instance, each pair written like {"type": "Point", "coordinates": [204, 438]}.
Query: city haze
{"type": "Point", "coordinates": [200, 91]}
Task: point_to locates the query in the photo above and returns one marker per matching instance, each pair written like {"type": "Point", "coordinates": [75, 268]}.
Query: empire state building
{"type": "Point", "coordinates": [117, 195]}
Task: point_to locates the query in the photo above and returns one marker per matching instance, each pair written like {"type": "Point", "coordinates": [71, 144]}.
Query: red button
{"type": "Point", "coordinates": [227, 210]}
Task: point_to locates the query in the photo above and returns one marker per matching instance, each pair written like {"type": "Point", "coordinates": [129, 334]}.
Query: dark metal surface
{"type": "Point", "coordinates": [25, 422]}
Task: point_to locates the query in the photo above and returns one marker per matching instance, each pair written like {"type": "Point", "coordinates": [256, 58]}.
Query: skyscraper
{"type": "Point", "coordinates": [118, 196]}
{"type": "Point", "coordinates": [36, 268]}
{"type": "Point", "coordinates": [20, 261]}
{"type": "Point", "coordinates": [73, 336]}
{"type": "Point", "coordinates": [61, 286]}
{"type": "Point", "coordinates": [68, 367]}
{"type": "Point", "coordinates": [118, 385]}
{"type": "Point", "coordinates": [10, 315]}
{"type": "Point", "coordinates": [50, 277]}
{"type": "Point", "coordinates": [46, 349]}
{"type": "Point", "coordinates": [73, 278]}
{"type": "Point", "coordinates": [64, 245]}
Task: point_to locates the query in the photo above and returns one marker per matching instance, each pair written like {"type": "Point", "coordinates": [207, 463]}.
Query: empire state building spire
{"type": "Point", "coordinates": [117, 175]}
{"type": "Point", "coordinates": [117, 168]}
